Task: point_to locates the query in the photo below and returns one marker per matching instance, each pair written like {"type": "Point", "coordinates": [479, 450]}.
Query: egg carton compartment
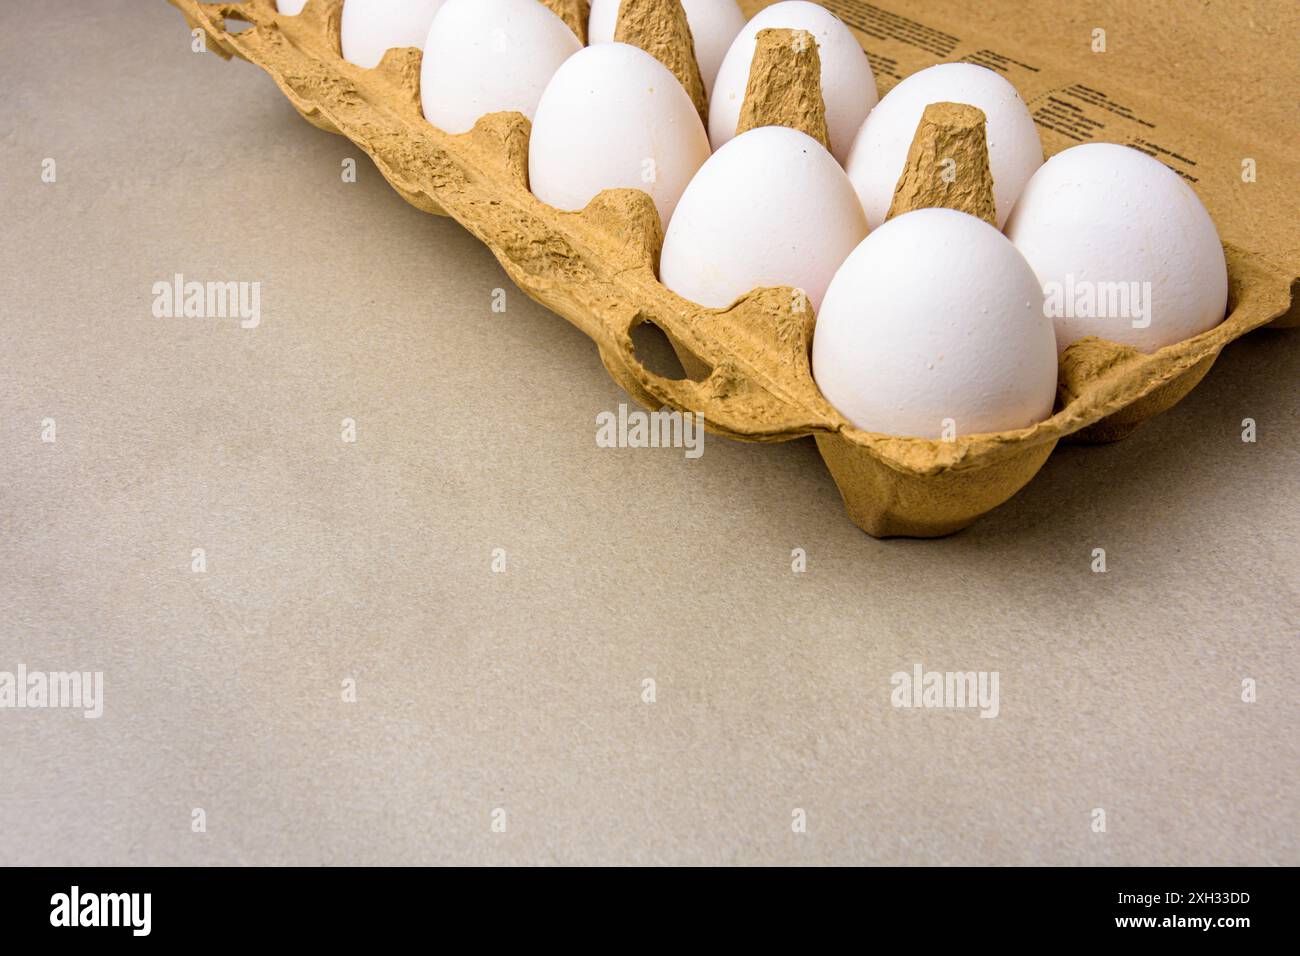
{"type": "Point", "coordinates": [749, 370]}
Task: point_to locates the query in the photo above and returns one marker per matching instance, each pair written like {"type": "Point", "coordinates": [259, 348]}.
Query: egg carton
{"type": "Point", "coordinates": [748, 365]}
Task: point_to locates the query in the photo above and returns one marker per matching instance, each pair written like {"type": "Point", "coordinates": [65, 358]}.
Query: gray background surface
{"type": "Point", "coordinates": [522, 690]}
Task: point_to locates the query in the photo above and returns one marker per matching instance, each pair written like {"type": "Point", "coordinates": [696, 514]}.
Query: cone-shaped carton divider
{"type": "Point", "coordinates": [573, 12]}
{"type": "Point", "coordinates": [403, 65]}
{"type": "Point", "coordinates": [947, 164]}
{"type": "Point", "coordinates": [659, 27]}
{"type": "Point", "coordinates": [785, 85]}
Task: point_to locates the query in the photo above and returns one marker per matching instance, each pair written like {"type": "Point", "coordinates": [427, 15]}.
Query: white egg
{"type": "Point", "coordinates": [290, 8]}
{"type": "Point", "coordinates": [848, 86]}
{"type": "Point", "coordinates": [614, 117]}
{"type": "Point", "coordinates": [934, 325]}
{"type": "Point", "coordinates": [880, 149]}
{"type": "Point", "coordinates": [770, 208]}
{"type": "Point", "coordinates": [1123, 248]}
{"type": "Point", "coordinates": [370, 28]}
{"type": "Point", "coordinates": [489, 56]}
{"type": "Point", "coordinates": [714, 24]}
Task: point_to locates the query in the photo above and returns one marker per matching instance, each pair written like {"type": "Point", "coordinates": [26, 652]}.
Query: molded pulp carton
{"type": "Point", "coordinates": [748, 365]}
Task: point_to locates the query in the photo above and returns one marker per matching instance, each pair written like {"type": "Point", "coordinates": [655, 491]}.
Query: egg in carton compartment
{"type": "Point", "coordinates": [748, 365]}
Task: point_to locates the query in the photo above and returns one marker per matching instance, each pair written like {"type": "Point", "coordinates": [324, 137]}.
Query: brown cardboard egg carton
{"type": "Point", "coordinates": [748, 364]}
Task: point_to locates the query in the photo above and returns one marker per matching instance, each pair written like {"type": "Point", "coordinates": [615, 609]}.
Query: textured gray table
{"type": "Point", "coordinates": [371, 561]}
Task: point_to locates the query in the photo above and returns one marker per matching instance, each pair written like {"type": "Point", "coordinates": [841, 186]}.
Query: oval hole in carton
{"type": "Point", "coordinates": [233, 22]}
{"type": "Point", "coordinates": [658, 353]}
